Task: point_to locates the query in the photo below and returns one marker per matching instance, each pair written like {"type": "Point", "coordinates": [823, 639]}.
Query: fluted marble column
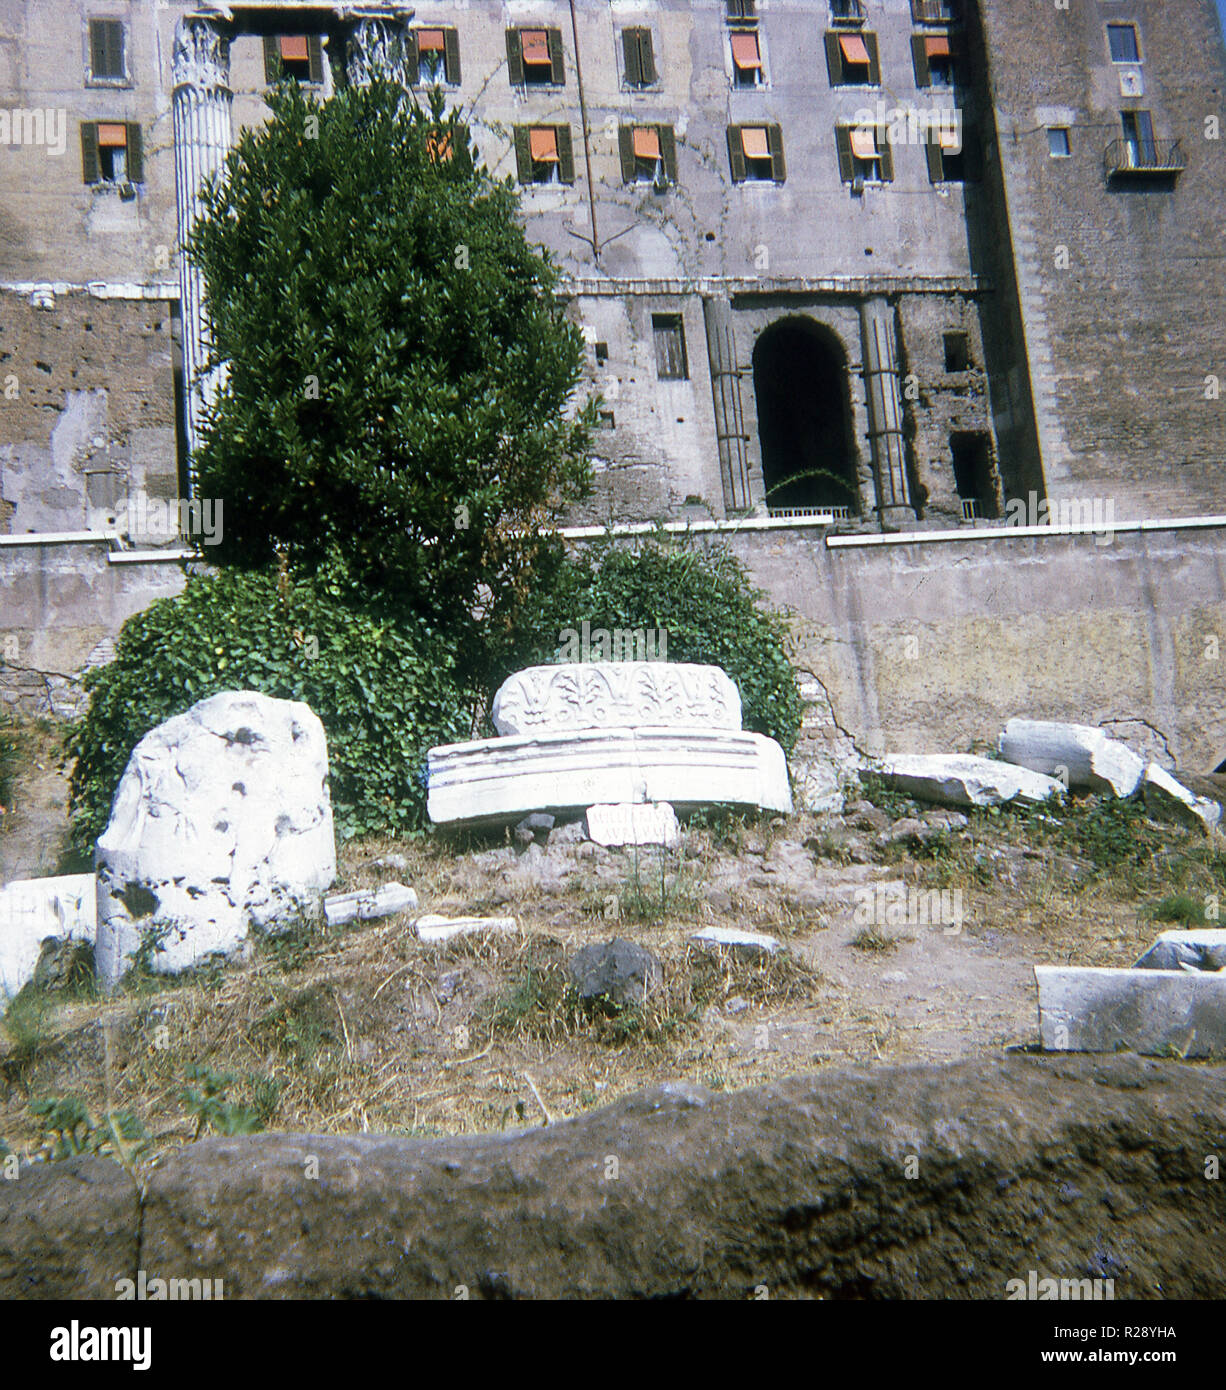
{"type": "Point", "coordinates": [885, 423]}
{"type": "Point", "coordinates": [202, 102]}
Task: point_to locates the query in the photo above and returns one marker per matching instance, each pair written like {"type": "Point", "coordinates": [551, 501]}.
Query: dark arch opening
{"type": "Point", "coordinates": [804, 417]}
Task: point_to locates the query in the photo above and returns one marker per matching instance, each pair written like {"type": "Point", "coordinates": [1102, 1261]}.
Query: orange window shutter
{"type": "Point", "coordinates": [855, 50]}
{"type": "Point", "coordinates": [430, 41]}
{"type": "Point", "coordinates": [294, 48]}
{"type": "Point", "coordinates": [939, 47]}
{"type": "Point", "coordinates": [543, 144]}
{"type": "Point", "coordinates": [863, 143]}
{"type": "Point", "coordinates": [745, 51]}
{"type": "Point", "coordinates": [113, 136]}
{"type": "Point", "coordinates": [646, 142]}
{"type": "Point", "coordinates": [534, 44]}
{"type": "Point", "coordinates": [755, 143]}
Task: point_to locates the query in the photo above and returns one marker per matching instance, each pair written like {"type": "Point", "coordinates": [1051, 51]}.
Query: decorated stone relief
{"type": "Point", "coordinates": [376, 48]}
{"type": "Point", "coordinates": [201, 54]}
{"type": "Point", "coordinates": [616, 694]}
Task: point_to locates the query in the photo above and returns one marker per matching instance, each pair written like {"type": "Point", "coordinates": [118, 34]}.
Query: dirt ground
{"type": "Point", "coordinates": [365, 1029]}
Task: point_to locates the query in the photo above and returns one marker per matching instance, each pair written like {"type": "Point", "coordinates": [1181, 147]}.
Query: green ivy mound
{"type": "Point", "coordinates": [381, 682]}
{"type": "Point", "coordinates": [704, 603]}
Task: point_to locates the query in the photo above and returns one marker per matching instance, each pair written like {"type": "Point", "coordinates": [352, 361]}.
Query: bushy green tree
{"type": "Point", "coordinates": [384, 688]}
{"type": "Point", "coordinates": [703, 601]}
{"type": "Point", "coordinates": [400, 376]}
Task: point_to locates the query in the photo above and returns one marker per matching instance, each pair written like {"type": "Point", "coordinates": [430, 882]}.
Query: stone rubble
{"type": "Point", "coordinates": [961, 779]}
{"type": "Point", "coordinates": [367, 904]}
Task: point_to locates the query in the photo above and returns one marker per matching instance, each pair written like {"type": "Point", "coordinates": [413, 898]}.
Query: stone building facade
{"type": "Point", "coordinates": [842, 267]}
{"type": "Point", "coordinates": [898, 260]}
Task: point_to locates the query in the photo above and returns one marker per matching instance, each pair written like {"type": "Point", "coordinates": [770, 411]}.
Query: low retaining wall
{"type": "Point", "coordinates": [902, 1182]}
{"type": "Point", "coordinates": [916, 645]}
{"type": "Point", "coordinates": [61, 605]}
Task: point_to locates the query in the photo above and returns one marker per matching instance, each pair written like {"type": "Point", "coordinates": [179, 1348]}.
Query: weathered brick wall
{"type": "Point", "coordinates": [86, 387]}
{"type": "Point", "coordinates": [1122, 286]}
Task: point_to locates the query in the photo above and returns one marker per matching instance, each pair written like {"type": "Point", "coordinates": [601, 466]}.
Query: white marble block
{"type": "Point", "coordinates": [960, 779]}
{"type": "Point", "coordinates": [222, 820]}
{"type": "Point", "coordinates": [1152, 1012]}
{"type": "Point", "coordinates": [1167, 799]}
{"type": "Point", "coordinates": [1090, 759]}
{"type": "Point", "coordinates": [34, 910]}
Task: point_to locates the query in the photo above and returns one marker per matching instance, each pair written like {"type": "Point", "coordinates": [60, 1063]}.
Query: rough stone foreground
{"type": "Point", "coordinates": [1076, 1167]}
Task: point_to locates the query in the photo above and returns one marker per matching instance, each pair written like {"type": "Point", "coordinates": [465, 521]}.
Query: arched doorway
{"type": "Point", "coordinates": [804, 417]}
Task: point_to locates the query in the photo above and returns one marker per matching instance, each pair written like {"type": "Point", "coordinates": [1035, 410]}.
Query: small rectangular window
{"type": "Point", "coordinates": [111, 152]}
{"type": "Point", "coordinates": [756, 153]}
{"type": "Point", "coordinates": [107, 59]}
{"type": "Point", "coordinates": [1123, 41]}
{"type": "Point", "coordinates": [746, 58]}
{"type": "Point", "coordinates": [639, 57]}
{"type": "Point", "coordinates": [1059, 142]}
{"type": "Point", "coordinates": [534, 57]}
{"type": "Point", "coordinates": [544, 154]}
{"type": "Point", "coordinates": [742, 11]}
{"type": "Point", "coordinates": [435, 56]}
{"type": "Point", "coordinates": [299, 56]}
{"type": "Point", "coordinates": [851, 59]}
{"type": "Point", "coordinates": [957, 353]}
{"type": "Point", "coordinates": [602, 353]}
{"type": "Point", "coordinates": [1140, 148]}
{"type": "Point", "coordinates": [648, 154]}
{"type": "Point", "coordinates": [669, 334]}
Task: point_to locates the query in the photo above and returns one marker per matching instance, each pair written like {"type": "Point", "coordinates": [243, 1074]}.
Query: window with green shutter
{"type": "Point", "coordinates": [107, 59]}
{"type": "Point", "coordinates": [299, 56]}
{"type": "Point", "coordinates": [648, 154]}
{"type": "Point", "coordinates": [90, 171]}
{"type": "Point", "coordinates": [544, 154]}
{"type": "Point", "coordinates": [112, 152]}
{"type": "Point", "coordinates": [451, 54]}
{"type": "Point", "coordinates": [852, 59]}
{"type": "Point", "coordinates": [756, 153]}
{"type": "Point", "coordinates": [535, 58]}
{"type": "Point", "coordinates": [639, 57]}
{"type": "Point", "coordinates": [954, 156]}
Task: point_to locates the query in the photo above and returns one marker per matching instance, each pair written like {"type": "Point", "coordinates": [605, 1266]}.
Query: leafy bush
{"type": "Point", "coordinates": [69, 1129]}
{"type": "Point", "coordinates": [381, 683]}
{"type": "Point", "coordinates": [208, 1103]}
{"type": "Point", "coordinates": [704, 602]}
{"type": "Point", "coordinates": [398, 365]}
{"type": "Point", "coordinates": [8, 767]}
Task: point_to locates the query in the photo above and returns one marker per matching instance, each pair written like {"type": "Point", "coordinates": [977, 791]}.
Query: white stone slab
{"type": "Point", "coordinates": [1167, 799]}
{"type": "Point", "coordinates": [616, 694]}
{"type": "Point", "coordinates": [222, 820]}
{"type": "Point", "coordinates": [960, 779]}
{"type": "Point", "coordinates": [368, 903]}
{"type": "Point", "coordinates": [1201, 948]}
{"type": "Point", "coordinates": [493, 781]}
{"type": "Point", "coordinates": [1152, 1012]}
{"type": "Point", "coordinates": [1089, 758]}
{"type": "Point", "coordinates": [733, 936]}
{"type": "Point", "coordinates": [433, 928]}
{"type": "Point", "coordinates": [34, 910]}
{"type": "Point", "coordinates": [626, 823]}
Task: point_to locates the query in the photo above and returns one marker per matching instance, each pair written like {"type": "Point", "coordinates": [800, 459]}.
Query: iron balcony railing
{"type": "Point", "coordinates": [1128, 157]}
{"type": "Point", "coordinates": [935, 11]}
{"type": "Point", "coordinates": [815, 513]}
